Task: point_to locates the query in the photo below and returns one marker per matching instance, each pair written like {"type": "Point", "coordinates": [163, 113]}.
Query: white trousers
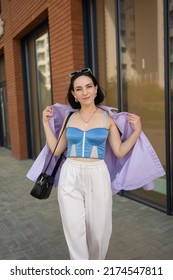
{"type": "Point", "coordinates": [85, 201]}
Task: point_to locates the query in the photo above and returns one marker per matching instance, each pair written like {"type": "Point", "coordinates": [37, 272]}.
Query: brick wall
{"type": "Point", "coordinates": [66, 43]}
{"type": "Point", "coordinates": [66, 51]}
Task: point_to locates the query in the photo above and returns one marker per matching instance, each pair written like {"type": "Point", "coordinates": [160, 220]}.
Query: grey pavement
{"type": "Point", "coordinates": [31, 229]}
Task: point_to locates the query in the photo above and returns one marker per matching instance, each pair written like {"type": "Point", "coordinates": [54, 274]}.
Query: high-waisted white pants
{"type": "Point", "coordinates": [85, 201]}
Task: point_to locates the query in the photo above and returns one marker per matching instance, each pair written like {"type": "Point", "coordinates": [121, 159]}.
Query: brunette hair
{"type": "Point", "coordinates": [71, 99]}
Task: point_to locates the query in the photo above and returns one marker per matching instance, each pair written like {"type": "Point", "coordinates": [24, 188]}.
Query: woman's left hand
{"type": "Point", "coordinates": [135, 121]}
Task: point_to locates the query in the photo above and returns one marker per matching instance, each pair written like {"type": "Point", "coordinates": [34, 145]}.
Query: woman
{"type": "Point", "coordinates": [84, 189]}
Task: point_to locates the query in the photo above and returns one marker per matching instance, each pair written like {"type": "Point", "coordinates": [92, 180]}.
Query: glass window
{"type": "Point", "coordinates": [142, 71]}
{"type": "Point", "coordinates": [143, 74]}
{"type": "Point", "coordinates": [4, 123]}
{"type": "Point", "coordinates": [43, 74]}
{"type": "Point", "coordinates": [38, 80]}
{"type": "Point", "coordinates": [106, 51]}
{"type": "Point", "coordinates": [170, 102]}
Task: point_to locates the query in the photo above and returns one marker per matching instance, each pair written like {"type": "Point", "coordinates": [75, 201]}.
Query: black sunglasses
{"type": "Point", "coordinates": [84, 70]}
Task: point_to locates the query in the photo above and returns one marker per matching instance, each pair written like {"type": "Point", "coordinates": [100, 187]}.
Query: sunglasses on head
{"type": "Point", "coordinates": [84, 70]}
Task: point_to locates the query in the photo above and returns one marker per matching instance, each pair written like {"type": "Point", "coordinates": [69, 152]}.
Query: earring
{"type": "Point", "coordinates": [76, 100]}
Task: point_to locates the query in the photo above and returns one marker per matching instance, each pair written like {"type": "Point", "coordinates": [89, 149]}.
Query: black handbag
{"type": "Point", "coordinates": [44, 183]}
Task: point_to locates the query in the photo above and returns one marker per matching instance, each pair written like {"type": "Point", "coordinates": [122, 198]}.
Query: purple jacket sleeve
{"type": "Point", "coordinates": [140, 167]}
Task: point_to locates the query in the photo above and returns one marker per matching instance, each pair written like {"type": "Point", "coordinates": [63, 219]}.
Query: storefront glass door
{"type": "Point", "coordinates": [143, 78]}
{"type": "Point", "coordinates": [4, 125]}
{"type": "Point", "coordinates": [130, 62]}
{"type": "Point", "coordinates": [38, 93]}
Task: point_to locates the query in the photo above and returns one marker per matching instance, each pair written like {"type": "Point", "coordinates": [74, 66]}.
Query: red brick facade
{"type": "Point", "coordinates": [66, 53]}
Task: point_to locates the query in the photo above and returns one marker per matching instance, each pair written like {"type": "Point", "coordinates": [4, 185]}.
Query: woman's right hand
{"type": "Point", "coordinates": [47, 114]}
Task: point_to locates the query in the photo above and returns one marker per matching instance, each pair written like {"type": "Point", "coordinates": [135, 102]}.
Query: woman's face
{"type": "Point", "coordinates": [84, 90]}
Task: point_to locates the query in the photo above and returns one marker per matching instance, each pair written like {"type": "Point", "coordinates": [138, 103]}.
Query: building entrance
{"type": "Point", "coordinates": [4, 127]}
{"type": "Point", "coordinates": [130, 65]}
{"type": "Point", "coordinates": [37, 86]}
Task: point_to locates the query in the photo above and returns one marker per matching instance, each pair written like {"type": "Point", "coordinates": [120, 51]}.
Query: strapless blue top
{"type": "Point", "coordinates": [86, 144]}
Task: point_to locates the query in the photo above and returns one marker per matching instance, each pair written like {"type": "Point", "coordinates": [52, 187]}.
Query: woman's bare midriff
{"type": "Point", "coordinates": [85, 159]}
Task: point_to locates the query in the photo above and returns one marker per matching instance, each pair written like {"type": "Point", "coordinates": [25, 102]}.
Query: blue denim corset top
{"type": "Point", "coordinates": [87, 144]}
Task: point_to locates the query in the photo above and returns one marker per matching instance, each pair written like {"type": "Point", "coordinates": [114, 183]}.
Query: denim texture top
{"type": "Point", "coordinates": [89, 143]}
{"type": "Point", "coordinates": [86, 144]}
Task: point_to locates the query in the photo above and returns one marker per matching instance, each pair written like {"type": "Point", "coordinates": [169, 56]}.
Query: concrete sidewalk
{"type": "Point", "coordinates": [31, 229]}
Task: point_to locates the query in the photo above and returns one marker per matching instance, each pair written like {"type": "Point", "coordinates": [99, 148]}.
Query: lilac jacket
{"type": "Point", "coordinates": [137, 169]}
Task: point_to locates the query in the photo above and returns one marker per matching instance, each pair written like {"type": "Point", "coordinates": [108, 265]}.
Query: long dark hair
{"type": "Point", "coordinates": [71, 99]}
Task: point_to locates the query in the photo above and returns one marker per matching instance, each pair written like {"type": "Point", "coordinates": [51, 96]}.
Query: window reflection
{"type": "Point", "coordinates": [38, 80]}
{"type": "Point", "coordinates": [106, 42]}
{"type": "Point", "coordinates": [43, 74]}
{"type": "Point", "coordinates": [143, 73]}
{"type": "Point", "coordinates": [142, 70]}
{"type": "Point", "coordinates": [42, 50]}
